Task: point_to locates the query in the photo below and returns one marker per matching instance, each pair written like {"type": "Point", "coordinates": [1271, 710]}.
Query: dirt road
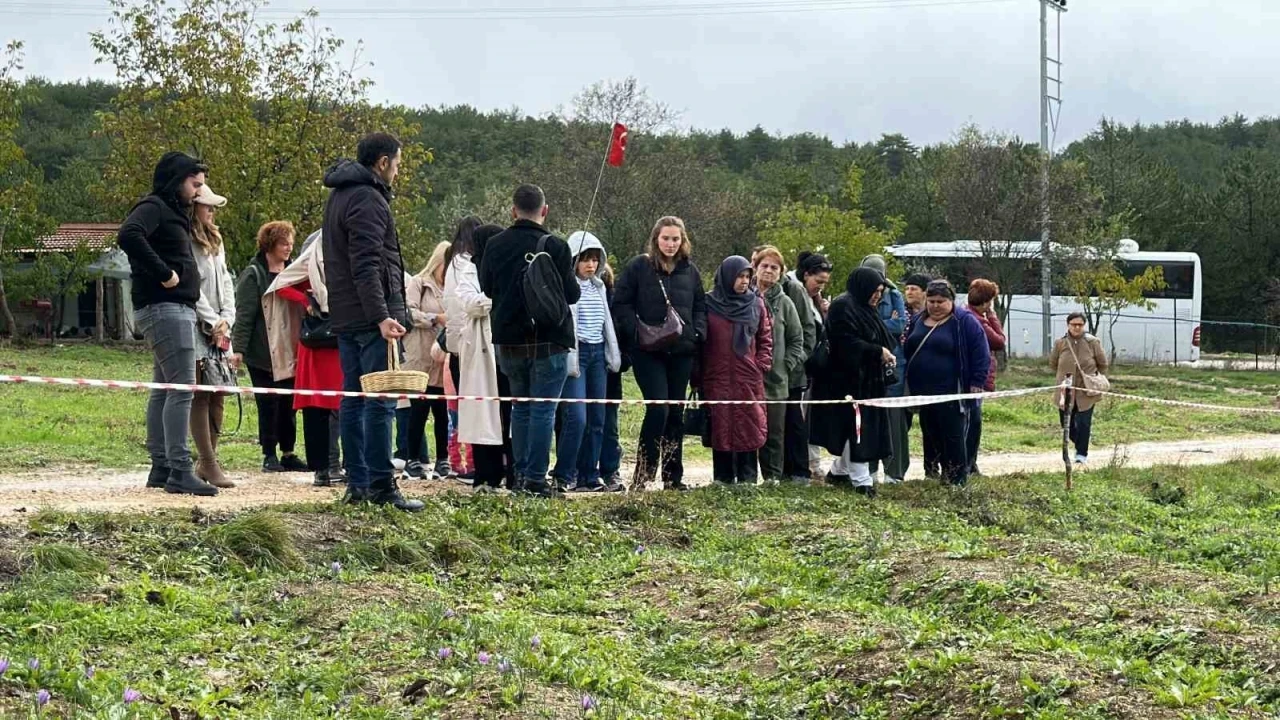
{"type": "Point", "coordinates": [122, 490]}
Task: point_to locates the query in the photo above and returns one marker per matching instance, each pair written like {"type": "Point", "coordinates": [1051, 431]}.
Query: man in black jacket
{"type": "Point", "coordinates": [365, 277]}
{"type": "Point", "coordinates": [533, 357]}
{"type": "Point", "coordinates": [166, 285]}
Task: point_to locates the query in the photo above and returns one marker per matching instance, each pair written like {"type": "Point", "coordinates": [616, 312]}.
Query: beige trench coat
{"type": "Point", "coordinates": [426, 303]}
{"type": "Point", "coordinates": [469, 337]}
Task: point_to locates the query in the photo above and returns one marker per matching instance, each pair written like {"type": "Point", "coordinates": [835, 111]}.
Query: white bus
{"type": "Point", "coordinates": [1167, 333]}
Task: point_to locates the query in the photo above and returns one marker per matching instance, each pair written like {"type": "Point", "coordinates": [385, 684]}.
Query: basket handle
{"type": "Point", "coordinates": [393, 357]}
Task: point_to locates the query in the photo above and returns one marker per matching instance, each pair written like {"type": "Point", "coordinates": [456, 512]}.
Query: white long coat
{"type": "Point", "coordinates": [469, 337]}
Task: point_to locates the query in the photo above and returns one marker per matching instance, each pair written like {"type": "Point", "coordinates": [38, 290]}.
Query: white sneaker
{"type": "Point", "coordinates": [398, 464]}
{"type": "Point", "coordinates": [892, 481]}
{"type": "Point", "coordinates": [1081, 459]}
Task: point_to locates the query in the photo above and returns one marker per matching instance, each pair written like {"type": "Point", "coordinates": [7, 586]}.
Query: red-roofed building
{"type": "Point", "coordinates": [95, 236]}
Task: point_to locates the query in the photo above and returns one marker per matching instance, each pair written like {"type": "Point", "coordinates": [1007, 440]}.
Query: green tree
{"type": "Point", "coordinates": [842, 235]}
{"type": "Point", "coordinates": [268, 107]}
{"type": "Point", "coordinates": [1105, 293]}
{"type": "Point", "coordinates": [20, 183]}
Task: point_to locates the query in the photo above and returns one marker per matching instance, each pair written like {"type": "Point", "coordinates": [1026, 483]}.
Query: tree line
{"type": "Point", "coordinates": [269, 106]}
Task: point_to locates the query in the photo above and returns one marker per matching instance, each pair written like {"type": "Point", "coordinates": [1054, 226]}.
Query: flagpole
{"type": "Point", "coordinates": [603, 161]}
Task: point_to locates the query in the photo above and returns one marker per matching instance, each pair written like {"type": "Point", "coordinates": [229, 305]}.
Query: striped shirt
{"type": "Point", "coordinates": [590, 313]}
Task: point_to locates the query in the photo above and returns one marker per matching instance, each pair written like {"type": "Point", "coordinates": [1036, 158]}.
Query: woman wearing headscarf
{"type": "Point", "coordinates": [861, 366]}
{"type": "Point", "coordinates": [737, 354]}
{"type": "Point", "coordinates": [946, 354]}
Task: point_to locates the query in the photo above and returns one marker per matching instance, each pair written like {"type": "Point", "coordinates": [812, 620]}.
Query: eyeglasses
{"type": "Point", "coordinates": [1075, 324]}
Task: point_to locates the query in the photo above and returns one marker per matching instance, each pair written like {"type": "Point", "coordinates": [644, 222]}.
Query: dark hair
{"type": "Point", "coordinates": [529, 199]}
{"type": "Point", "coordinates": [940, 288]}
{"type": "Point", "coordinates": [374, 146]}
{"type": "Point", "coordinates": [480, 238]}
{"type": "Point", "coordinates": [1077, 316]}
{"type": "Point", "coordinates": [808, 263]}
{"type": "Point", "coordinates": [920, 280]}
{"type": "Point", "coordinates": [463, 243]}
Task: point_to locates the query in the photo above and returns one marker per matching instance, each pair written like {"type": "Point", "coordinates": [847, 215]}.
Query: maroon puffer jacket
{"type": "Point", "coordinates": [725, 376]}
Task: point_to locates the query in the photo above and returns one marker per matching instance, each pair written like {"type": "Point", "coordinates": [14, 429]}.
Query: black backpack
{"type": "Point", "coordinates": [542, 287]}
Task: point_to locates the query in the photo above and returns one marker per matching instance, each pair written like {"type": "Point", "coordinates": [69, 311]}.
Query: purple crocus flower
{"type": "Point", "coordinates": [4, 665]}
{"type": "Point", "coordinates": [42, 697]}
{"type": "Point", "coordinates": [536, 642]}
{"type": "Point", "coordinates": [449, 614]}
{"type": "Point", "coordinates": [640, 549]}
{"type": "Point", "coordinates": [336, 567]}
{"type": "Point", "coordinates": [33, 664]}
{"type": "Point", "coordinates": [588, 703]}
{"type": "Point", "coordinates": [483, 658]}
{"type": "Point", "coordinates": [89, 672]}
{"type": "Point", "coordinates": [444, 653]}
{"type": "Point", "coordinates": [131, 696]}
{"type": "Point", "coordinates": [505, 666]}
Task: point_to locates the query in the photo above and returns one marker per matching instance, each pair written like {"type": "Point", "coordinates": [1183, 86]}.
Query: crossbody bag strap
{"type": "Point", "coordinates": [1076, 358]}
{"type": "Point", "coordinates": [925, 340]}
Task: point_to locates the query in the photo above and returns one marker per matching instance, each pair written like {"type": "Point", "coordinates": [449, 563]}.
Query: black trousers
{"type": "Point", "coordinates": [973, 441]}
{"type": "Point", "coordinates": [316, 437]}
{"type": "Point", "coordinates": [734, 467]}
{"type": "Point", "coordinates": [662, 376]}
{"type": "Point", "coordinates": [418, 412]}
{"type": "Point", "coordinates": [795, 443]}
{"type": "Point", "coordinates": [493, 463]}
{"type": "Point", "coordinates": [277, 420]}
{"type": "Point", "coordinates": [946, 426]}
{"type": "Point", "coordinates": [1081, 428]}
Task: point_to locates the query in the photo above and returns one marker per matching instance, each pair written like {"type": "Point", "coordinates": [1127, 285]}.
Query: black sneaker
{"type": "Point", "coordinates": [539, 488]}
{"type": "Point", "coordinates": [355, 496]}
{"type": "Point", "coordinates": [185, 482]}
{"type": "Point", "coordinates": [322, 479]}
{"type": "Point", "coordinates": [271, 464]}
{"type": "Point", "coordinates": [415, 470]}
{"type": "Point", "coordinates": [337, 475]}
{"type": "Point", "coordinates": [444, 469]}
{"type": "Point", "coordinates": [835, 480]}
{"type": "Point", "coordinates": [293, 463]}
{"type": "Point", "coordinates": [613, 486]}
{"type": "Point", "coordinates": [595, 487]}
{"type": "Point", "coordinates": [867, 490]}
{"type": "Point", "coordinates": [158, 477]}
{"type": "Point", "coordinates": [676, 485]}
{"type": "Point", "coordinates": [388, 493]}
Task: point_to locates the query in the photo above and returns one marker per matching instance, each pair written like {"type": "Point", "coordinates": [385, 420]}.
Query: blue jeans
{"type": "Point", "coordinates": [366, 423]}
{"type": "Point", "coordinates": [533, 423]}
{"type": "Point", "coordinates": [170, 330]}
{"type": "Point", "coordinates": [582, 433]}
{"type": "Point", "coordinates": [611, 449]}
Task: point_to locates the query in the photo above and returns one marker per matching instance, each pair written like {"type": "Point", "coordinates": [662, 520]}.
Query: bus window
{"type": "Point", "coordinates": [1179, 278]}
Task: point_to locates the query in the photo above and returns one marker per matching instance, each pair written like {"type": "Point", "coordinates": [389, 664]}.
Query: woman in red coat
{"type": "Point", "coordinates": [736, 355]}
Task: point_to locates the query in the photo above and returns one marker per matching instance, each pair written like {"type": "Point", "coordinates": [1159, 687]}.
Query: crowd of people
{"type": "Point", "coordinates": [520, 312]}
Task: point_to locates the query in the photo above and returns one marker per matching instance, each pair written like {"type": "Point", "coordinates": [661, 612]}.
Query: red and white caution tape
{"type": "Point", "coordinates": [1195, 406]}
{"type": "Point", "coordinates": [892, 402]}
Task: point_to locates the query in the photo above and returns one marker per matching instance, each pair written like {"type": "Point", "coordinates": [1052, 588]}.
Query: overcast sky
{"type": "Point", "coordinates": [850, 74]}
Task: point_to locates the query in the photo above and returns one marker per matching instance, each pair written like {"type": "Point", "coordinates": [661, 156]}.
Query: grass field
{"type": "Point", "coordinates": [44, 426]}
{"type": "Point", "coordinates": [1011, 599]}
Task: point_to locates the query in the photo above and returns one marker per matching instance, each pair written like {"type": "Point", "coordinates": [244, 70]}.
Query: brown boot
{"type": "Point", "coordinates": [204, 432]}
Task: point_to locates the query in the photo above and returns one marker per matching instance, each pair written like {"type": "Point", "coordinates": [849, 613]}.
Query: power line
{"type": "Point", "coordinates": [564, 12]}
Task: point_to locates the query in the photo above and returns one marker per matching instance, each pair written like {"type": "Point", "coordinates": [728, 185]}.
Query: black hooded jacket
{"type": "Point", "coordinates": [157, 237]}
{"type": "Point", "coordinates": [363, 267]}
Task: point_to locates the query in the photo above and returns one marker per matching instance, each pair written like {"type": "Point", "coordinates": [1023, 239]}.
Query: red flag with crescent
{"type": "Point", "coordinates": [618, 145]}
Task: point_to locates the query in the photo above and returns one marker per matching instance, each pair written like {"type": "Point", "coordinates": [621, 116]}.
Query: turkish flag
{"type": "Point", "coordinates": [618, 145]}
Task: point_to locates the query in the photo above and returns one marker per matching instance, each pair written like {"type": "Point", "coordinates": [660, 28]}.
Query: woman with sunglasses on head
{"type": "Point", "coordinates": [946, 354]}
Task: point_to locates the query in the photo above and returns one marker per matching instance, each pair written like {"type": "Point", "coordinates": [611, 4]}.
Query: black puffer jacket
{"type": "Point", "coordinates": [638, 298]}
{"type": "Point", "coordinates": [363, 267]}
{"type": "Point", "coordinates": [157, 238]}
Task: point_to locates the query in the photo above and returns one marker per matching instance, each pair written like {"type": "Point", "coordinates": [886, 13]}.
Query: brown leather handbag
{"type": "Point", "coordinates": [657, 338]}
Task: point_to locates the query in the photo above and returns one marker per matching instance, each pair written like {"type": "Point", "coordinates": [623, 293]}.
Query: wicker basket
{"type": "Point", "coordinates": [394, 380]}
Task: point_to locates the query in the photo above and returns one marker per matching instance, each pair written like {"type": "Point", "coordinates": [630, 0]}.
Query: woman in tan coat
{"type": "Point", "coordinates": [425, 296]}
{"type": "Point", "coordinates": [1078, 354]}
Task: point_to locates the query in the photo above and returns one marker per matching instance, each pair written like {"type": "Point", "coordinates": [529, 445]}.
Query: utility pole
{"type": "Point", "coordinates": [1048, 104]}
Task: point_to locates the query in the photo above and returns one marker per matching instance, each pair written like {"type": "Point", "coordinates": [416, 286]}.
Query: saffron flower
{"type": "Point", "coordinates": [4, 665]}
{"type": "Point", "coordinates": [131, 696]}
{"type": "Point", "coordinates": [588, 703]}
{"type": "Point", "coordinates": [483, 658]}
{"type": "Point", "coordinates": [33, 664]}
{"type": "Point", "coordinates": [336, 567]}
{"type": "Point", "coordinates": [42, 697]}
{"type": "Point", "coordinates": [444, 653]}
{"type": "Point", "coordinates": [505, 666]}
{"type": "Point", "coordinates": [536, 642]}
